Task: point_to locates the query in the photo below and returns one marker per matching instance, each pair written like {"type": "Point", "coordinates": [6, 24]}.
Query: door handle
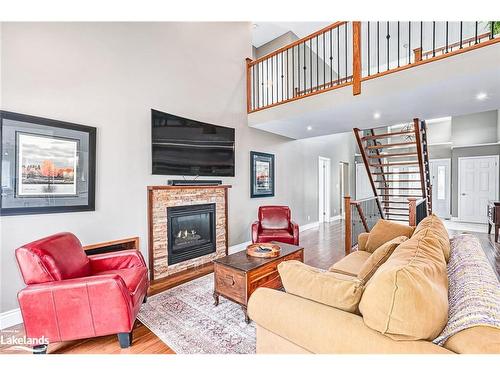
{"type": "Point", "coordinates": [463, 194]}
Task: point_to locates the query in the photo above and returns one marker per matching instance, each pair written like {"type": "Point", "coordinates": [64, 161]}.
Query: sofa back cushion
{"type": "Point", "coordinates": [379, 257]}
{"type": "Point", "coordinates": [386, 230]}
{"type": "Point", "coordinates": [53, 258]}
{"type": "Point", "coordinates": [274, 217]}
{"type": "Point", "coordinates": [329, 288]}
{"type": "Point", "coordinates": [407, 297]}
{"type": "Point", "coordinates": [432, 224]}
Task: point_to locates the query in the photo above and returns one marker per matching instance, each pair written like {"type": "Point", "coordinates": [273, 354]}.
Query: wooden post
{"type": "Point", "coordinates": [249, 86]}
{"type": "Point", "coordinates": [356, 58]}
{"type": "Point", "coordinates": [412, 209]}
{"type": "Point", "coordinates": [347, 219]}
{"type": "Point", "coordinates": [418, 54]}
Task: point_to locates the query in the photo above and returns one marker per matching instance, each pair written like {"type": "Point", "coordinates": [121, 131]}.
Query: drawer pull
{"type": "Point", "coordinates": [230, 279]}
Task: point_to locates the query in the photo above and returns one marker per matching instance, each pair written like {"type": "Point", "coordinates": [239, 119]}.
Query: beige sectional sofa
{"type": "Point", "coordinates": [390, 296]}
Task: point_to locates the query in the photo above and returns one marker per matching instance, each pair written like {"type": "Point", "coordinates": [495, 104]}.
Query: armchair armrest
{"type": "Point", "coordinates": [255, 231]}
{"type": "Point", "coordinates": [117, 260]}
{"type": "Point", "coordinates": [76, 308]}
{"type": "Point", "coordinates": [323, 329]}
{"type": "Point", "coordinates": [295, 231]}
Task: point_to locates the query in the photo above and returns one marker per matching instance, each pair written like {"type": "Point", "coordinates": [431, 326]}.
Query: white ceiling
{"type": "Point", "coordinates": [264, 32]}
{"type": "Point", "coordinates": [447, 87]}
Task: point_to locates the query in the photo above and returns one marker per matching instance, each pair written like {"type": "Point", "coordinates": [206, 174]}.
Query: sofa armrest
{"type": "Point", "coordinates": [295, 231]}
{"type": "Point", "coordinates": [116, 260]}
{"type": "Point", "coordinates": [362, 240]}
{"type": "Point", "coordinates": [322, 329]}
{"type": "Point", "coordinates": [76, 308]}
{"type": "Point", "coordinates": [255, 231]}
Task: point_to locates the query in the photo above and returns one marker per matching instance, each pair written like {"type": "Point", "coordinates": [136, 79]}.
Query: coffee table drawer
{"type": "Point", "coordinates": [230, 284]}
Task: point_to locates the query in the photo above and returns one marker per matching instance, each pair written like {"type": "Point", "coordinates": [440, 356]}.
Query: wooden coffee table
{"type": "Point", "coordinates": [238, 275]}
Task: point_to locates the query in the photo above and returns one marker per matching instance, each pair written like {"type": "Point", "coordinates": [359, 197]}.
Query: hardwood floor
{"type": "Point", "coordinates": [323, 246]}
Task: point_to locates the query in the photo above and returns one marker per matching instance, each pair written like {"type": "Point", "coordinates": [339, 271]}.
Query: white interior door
{"type": "Point", "coordinates": [363, 187]}
{"type": "Point", "coordinates": [441, 183]}
{"type": "Point", "coordinates": [477, 184]}
{"type": "Point", "coordinates": [324, 189]}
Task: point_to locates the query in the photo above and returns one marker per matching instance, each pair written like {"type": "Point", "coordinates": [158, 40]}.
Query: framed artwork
{"type": "Point", "coordinates": [48, 166]}
{"type": "Point", "coordinates": [262, 175]}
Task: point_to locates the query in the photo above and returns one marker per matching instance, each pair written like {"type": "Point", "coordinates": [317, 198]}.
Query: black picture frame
{"type": "Point", "coordinates": [266, 188]}
{"type": "Point", "coordinates": [12, 203]}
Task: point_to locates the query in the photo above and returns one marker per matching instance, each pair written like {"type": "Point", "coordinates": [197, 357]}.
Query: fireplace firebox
{"type": "Point", "coordinates": [191, 232]}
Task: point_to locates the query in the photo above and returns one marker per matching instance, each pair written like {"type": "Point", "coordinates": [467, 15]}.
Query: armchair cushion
{"type": "Point", "coordinates": [386, 230]}
{"type": "Point", "coordinates": [329, 288]}
{"type": "Point", "coordinates": [116, 260]}
{"type": "Point", "coordinates": [280, 235]}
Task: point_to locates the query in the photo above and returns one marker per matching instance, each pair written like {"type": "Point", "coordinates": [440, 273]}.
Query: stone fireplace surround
{"type": "Point", "coordinates": [161, 197]}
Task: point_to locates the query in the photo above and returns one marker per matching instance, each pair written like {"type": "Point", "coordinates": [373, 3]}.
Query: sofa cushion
{"type": "Point", "coordinates": [337, 290]}
{"type": "Point", "coordinates": [280, 235]}
{"type": "Point", "coordinates": [407, 297]}
{"type": "Point", "coordinates": [379, 257]}
{"type": "Point", "coordinates": [386, 230]}
{"type": "Point", "coordinates": [351, 264]}
{"type": "Point", "coordinates": [362, 239]}
{"type": "Point", "coordinates": [433, 224]}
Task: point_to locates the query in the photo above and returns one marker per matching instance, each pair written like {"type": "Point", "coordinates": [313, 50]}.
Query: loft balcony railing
{"type": "Point", "coordinates": [349, 53]}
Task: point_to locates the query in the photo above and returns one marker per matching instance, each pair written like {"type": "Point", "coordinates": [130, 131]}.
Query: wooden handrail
{"type": "Point", "coordinates": [451, 46]}
{"type": "Point", "coordinates": [298, 41]}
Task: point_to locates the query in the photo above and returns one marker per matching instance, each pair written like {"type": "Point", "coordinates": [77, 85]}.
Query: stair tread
{"type": "Point", "coordinates": [387, 135]}
{"type": "Point", "coordinates": [389, 214]}
{"type": "Point", "coordinates": [395, 180]}
{"type": "Point", "coordinates": [395, 164]}
{"type": "Point", "coordinates": [399, 188]}
{"type": "Point", "coordinates": [400, 195]}
{"type": "Point", "coordinates": [401, 172]}
{"type": "Point", "coordinates": [390, 145]}
{"type": "Point", "coordinates": [393, 155]}
{"type": "Point", "coordinates": [397, 208]}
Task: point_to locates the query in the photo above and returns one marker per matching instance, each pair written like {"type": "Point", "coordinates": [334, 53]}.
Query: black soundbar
{"type": "Point", "coordinates": [194, 182]}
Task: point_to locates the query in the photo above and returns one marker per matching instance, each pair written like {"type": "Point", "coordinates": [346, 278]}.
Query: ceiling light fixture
{"type": "Point", "coordinates": [254, 26]}
{"type": "Point", "coordinates": [376, 115]}
{"type": "Point", "coordinates": [481, 96]}
{"type": "Point", "coordinates": [309, 128]}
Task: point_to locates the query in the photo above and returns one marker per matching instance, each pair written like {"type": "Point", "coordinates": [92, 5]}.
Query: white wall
{"type": "Point", "coordinates": [109, 75]}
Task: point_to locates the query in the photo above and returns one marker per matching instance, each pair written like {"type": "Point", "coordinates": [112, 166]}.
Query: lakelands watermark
{"type": "Point", "coordinates": [28, 344]}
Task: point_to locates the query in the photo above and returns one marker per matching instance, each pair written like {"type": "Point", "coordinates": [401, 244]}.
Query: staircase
{"type": "Point", "coordinates": [397, 163]}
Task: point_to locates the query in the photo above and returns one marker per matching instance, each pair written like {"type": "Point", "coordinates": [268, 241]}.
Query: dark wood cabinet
{"type": "Point", "coordinates": [494, 218]}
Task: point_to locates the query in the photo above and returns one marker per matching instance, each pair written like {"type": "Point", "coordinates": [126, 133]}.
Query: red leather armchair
{"type": "Point", "coordinates": [70, 295]}
{"type": "Point", "coordinates": [275, 224]}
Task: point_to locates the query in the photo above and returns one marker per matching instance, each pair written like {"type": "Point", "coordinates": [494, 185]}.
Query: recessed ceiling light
{"type": "Point", "coordinates": [254, 25]}
{"type": "Point", "coordinates": [309, 128]}
{"type": "Point", "coordinates": [376, 115]}
{"type": "Point", "coordinates": [481, 96]}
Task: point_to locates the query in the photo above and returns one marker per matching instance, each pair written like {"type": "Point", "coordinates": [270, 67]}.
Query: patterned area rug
{"type": "Point", "coordinates": [186, 319]}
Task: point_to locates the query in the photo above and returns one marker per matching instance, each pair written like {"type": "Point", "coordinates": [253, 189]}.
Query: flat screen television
{"type": "Point", "coordinates": [185, 147]}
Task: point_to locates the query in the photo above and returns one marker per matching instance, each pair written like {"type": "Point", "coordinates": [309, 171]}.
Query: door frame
{"type": "Point", "coordinates": [459, 192]}
{"type": "Point", "coordinates": [449, 183]}
{"type": "Point", "coordinates": [324, 186]}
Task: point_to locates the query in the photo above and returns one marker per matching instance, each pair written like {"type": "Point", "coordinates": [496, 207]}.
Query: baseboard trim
{"type": "Point", "coordinates": [334, 218]}
{"type": "Point", "coordinates": [312, 225]}
{"type": "Point", "coordinates": [238, 247]}
{"type": "Point", "coordinates": [10, 318]}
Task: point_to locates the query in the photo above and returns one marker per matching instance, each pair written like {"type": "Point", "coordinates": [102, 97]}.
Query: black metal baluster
{"type": "Point", "coordinates": [345, 31]}
{"type": "Point", "coordinates": [282, 76]}
{"type": "Point", "coordinates": [310, 65]}
{"type": "Point", "coordinates": [287, 76]}
{"type": "Point", "coordinates": [267, 81]}
{"type": "Point", "coordinates": [461, 28]}
{"type": "Point", "coordinates": [492, 32]}
{"type": "Point", "coordinates": [446, 36]}
{"type": "Point", "coordinates": [433, 38]}
{"type": "Point", "coordinates": [331, 58]}
{"type": "Point", "coordinates": [398, 44]}
{"type": "Point", "coordinates": [475, 38]}
{"type": "Point", "coordinates": [293, 72]}
{"type": "Point", "coordinates": [258, 86]}
{"type": "Point", "coordinates": [252, 106]}
{"type": "Point", "coordinates": [305, 76]}
{"type": "Point", "coordinates": [368, 47]}
{"type": "Point", "coordinates": [317, 63]}
{"type": "Point", "coordinates": [378, 47]}
{"type": "Point", "coordinates": [388, 36]}
{"type": "Point", "coordinates": [276, 83]}
{"type": "Point", "coordinates": [409, 42]}
{"type": "Point", "coordinates": [272, 80]}
{"type": "Point", "coordinates": [324, 61]}
{"type": "Point", "coordinates": [338, 55]}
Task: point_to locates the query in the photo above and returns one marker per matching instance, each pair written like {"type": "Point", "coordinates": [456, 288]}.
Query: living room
{"type": "Point", "coordinates": [144, 119]}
